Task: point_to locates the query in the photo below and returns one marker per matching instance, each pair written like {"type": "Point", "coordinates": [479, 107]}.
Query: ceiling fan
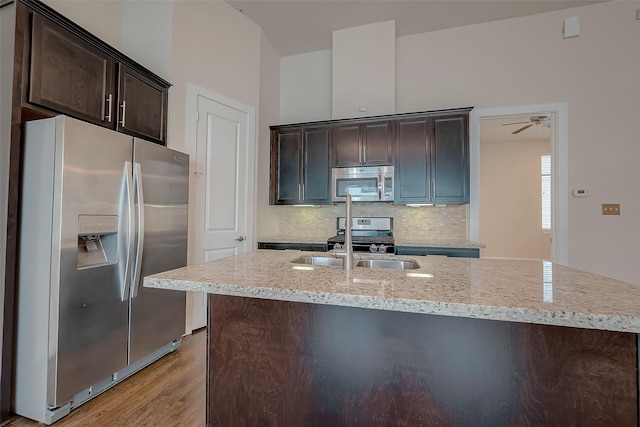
{"type": "Point", "coordinates": [533, 120]}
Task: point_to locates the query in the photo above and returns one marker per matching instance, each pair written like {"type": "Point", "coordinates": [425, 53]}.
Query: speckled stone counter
{"type": "Point", "coordinates": [405, 241]}
{"type": "Point", "coordinates": [288, 239]}
{"type": "Point", "coordinates": [437, 243]}
{"type": "Point", "coordinates": [536, 292]}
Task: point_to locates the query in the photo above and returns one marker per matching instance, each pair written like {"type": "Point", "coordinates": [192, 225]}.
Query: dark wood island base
{"type": "Point", "coordinates": [278, 363]}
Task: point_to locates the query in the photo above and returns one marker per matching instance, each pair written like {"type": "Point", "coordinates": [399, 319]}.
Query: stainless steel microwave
{"type": "Point", "coordinates": [365, 184]}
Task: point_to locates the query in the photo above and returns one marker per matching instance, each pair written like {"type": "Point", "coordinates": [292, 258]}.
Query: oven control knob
{"type": "Point", "coordinates": [337, 246]}
{"type": "Point", "coordinates": [373, 247]}
{"type": "Point", "coordinates": [382, 248]}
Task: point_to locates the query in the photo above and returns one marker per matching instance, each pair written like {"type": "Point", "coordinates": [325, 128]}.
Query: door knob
{"type": "Point", "coordinates": [240, 239]}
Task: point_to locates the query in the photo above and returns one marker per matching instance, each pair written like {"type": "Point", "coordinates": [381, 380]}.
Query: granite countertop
{"type": "Point", "coordinates": [399, 241]}
{"type": "Point", "coordinates": [437, 243]}
{"type": "Point", "coordinates": [289, 239]}
{"type": "Point", "coordinates": [510, 290]}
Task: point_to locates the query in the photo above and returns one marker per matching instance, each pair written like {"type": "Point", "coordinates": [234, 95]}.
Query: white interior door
{"type": "Point", "coordinates": [223, 217]}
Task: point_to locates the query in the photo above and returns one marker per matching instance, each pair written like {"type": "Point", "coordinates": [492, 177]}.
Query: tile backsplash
{"type": "Point", "coordinates": [429, 222]}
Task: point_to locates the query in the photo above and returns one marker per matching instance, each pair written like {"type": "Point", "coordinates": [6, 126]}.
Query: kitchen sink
{"type": "Point", "coordinates": [318, 260]}
{"type": "Point", "coordinates": [388, 263]}
{"type": "Point", "coordinates": [366, 263]}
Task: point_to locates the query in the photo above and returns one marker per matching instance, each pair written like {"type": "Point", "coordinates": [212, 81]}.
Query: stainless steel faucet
{"type": "Point", "coordinates": [347, 251]}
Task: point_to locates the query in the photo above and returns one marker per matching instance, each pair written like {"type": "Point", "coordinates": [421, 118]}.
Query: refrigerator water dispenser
{"type": "Point", "coordinates": [97, 240]}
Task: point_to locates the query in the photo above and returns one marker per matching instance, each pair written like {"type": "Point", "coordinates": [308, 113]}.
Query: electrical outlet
{"type": "Point", "coordinates": [611, 209]}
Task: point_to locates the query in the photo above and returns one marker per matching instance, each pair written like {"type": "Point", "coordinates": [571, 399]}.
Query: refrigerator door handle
{"type": "Point", "coordinates": [137, 268]}
{"type": "Point", "coordinates": [128, 240]}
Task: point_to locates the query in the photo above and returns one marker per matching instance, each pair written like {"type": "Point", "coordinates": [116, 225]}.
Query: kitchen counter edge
{"type": "Point", "coordinates": [268, 274]}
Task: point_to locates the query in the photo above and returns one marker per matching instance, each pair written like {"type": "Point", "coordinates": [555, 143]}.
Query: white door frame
{"type": "Point", "coordinates": [191, 126]}
{"type": "Point", "coordinates": [559, 171]}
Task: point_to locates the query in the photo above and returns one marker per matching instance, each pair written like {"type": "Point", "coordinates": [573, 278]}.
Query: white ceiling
{"type": "Point", "coordinates": [301, 26]}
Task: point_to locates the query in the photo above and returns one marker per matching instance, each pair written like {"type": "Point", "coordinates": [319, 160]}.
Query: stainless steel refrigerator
{"type": "Point", "coordinates": [100, 210]}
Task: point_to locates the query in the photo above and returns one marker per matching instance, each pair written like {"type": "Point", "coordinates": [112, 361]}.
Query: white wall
{"type": "Point", "coordinates": [511, 203]}
{"type": "Point", "coordinates": [7, 29]}
{"type": "Point", "coordinates": [305, 87]}
{"type": "Point", "coordinates": [364, 70]}
{"type": "Point", "coordinates": [103, 18]}
{"type": "Point", "coordinates": [525, 61]}
{"type": "Point", "coordinates": [268, 114]}
{"type": "Point", "coordinates": [147, 29]}
{"type": "Point", "coordinates": [216, 48]}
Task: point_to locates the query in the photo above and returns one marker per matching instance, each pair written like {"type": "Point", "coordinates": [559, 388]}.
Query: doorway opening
{"type": "Point", "coordinates": [558, 177]}
{"type": "Point", "coordinates": [515, 191]}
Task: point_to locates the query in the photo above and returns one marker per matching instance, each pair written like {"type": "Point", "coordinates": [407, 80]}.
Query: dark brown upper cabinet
{"type": "Point", "coordinates": [142, 105]}
{"type": "Point", "coordinates": [413, 169]}
{"type": "Point", "coordinates": [432, 160]}
{"type": "Point", "coordinates": [430, 152]}
{"type": "Point", "coordinates": [74, 73]}
{"type": "Point", "coordinates": [70, 76]}
{"type": "Point", "coordinates": [363, 144]}
{"type": "Point", "coordinates": [450, 160]}
{"type": "Point", "coordinates": [300, 166]}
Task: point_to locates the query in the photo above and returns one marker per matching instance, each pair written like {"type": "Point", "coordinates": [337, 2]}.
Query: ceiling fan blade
{"type": "Point", "coordinates": [522, 128]}
{"type": "Point", "coordinates": [516, 123]}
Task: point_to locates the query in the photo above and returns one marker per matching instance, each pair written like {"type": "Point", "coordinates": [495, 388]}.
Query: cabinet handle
{"type": "Point", "coordinates": [302, 193]}
{"type": "Point", "coordinates": [108, 115]}
{"type": "Point", "coordinates": [124, 108]}
{"type": "Point", "coordinates": [299, 191]}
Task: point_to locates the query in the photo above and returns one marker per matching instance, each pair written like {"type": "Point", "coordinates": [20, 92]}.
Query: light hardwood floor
{"type": "Point", "coordinates": [169, 392]}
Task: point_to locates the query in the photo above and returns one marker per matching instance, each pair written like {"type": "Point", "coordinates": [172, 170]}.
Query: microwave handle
{"type": "Point", "coordinates": [380, 186]}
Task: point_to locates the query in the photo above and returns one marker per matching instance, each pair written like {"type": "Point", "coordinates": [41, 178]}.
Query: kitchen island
{"type": "Point", "coordinates": [455, 342]}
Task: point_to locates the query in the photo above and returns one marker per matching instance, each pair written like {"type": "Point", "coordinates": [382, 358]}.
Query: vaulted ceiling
{"type": "Point", "coordinates": [300, 26]}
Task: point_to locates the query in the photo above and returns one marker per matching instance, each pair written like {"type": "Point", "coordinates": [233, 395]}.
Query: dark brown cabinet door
{"type": "Point", "coordinates": [70, 76]}
{"type": "Point", "coordinates": [346, 143]}
{"type": "Point", "coordinates": [377, 144]}
{"type": "Point", "coordinates": [412, 161]}
{"type": "Point", "coordinates": [302, 168]}
{"type": "Point", "coordinates": [142, 106]}
{"type": "Point", "coordinates": [289, 166]}
{"type": "Point", "coordinates": [368, 144]}
{"type": "Point", "coordinates": [450, 160]}
{"type": "Point", "coordinates": [317, 167]}
{"type": "Point", "coordinates": [432, 160]}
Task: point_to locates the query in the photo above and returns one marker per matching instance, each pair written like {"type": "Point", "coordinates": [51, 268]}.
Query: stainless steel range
{"type": "Point", "coordinates": [368, 235]}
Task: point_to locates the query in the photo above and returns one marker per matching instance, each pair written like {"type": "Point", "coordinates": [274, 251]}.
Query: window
{"type": "Point", "coordinates": [545, 173]}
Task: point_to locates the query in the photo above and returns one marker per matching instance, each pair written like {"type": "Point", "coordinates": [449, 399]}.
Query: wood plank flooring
{"type": "Point", "coordinates": [169, 392]}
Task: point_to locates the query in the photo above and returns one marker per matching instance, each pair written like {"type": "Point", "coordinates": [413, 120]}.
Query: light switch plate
{"type": "Point", "coordinates": [611, 209]}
